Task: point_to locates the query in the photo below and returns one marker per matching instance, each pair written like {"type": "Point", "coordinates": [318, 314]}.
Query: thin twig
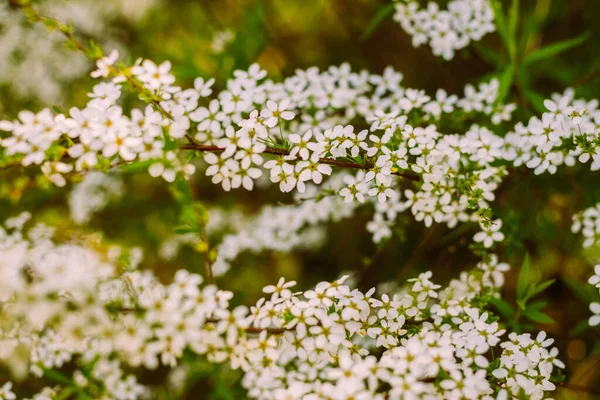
{"type": "Point", "coordinates": [589, 77]}
{"type": "Point", "coordinates": [283, 152]}
{"type": "Point", "coordinates": [208, 262]}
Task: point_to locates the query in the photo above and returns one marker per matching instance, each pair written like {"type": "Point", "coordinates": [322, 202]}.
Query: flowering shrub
{"type": "Point", "coordinates": [89, 316]}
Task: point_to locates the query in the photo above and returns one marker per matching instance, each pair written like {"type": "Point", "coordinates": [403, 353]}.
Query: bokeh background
{"type": "Point", "coordinates": [211, 38]}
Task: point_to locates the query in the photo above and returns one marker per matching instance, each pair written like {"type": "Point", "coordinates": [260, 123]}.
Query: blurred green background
{"type": "Point", "coordinates": [283, 36]}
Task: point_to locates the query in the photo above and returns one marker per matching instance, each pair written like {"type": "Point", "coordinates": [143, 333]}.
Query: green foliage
{"type": "Point", "coordinates": [528, 287]}
{"type": "Point", "coordinates": [377, 19]}
{"type": "Point", "coordinates": [554, 49]}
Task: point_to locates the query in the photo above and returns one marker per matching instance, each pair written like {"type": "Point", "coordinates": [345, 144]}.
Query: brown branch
{"type": "Point", "coordinates": [250, 329]}
{"type": "Point", "coordinates": [282, 152]}
{"type": "Point", "coordinates": [589, 77]}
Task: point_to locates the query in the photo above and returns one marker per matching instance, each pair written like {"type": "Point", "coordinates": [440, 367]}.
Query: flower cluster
{"type": "Point", "coordinates": [588, 223]}
{"type": "Point", "coordinates": [526, 364]}
{"type": "Point", "coordinates": [100, 135]}
{"type": "Point", "coordinates": [221, 40]}
{"type": "Point", "coordinates": [247, 129]}
{"type": "Point", "coordinates": [93, 194]}
{"type": "Point", "coordinates": [253, 119]}
{"type": "Point", "coordinates": [566, 134]}
{"type": "Point", "coordinates": [595, 306]}
{"type": "Point", "coordinates": [287, 227]}
{"type": "Point", "coordinates": [322, 342]}
{"type": "Point", "coordinates": [445, 31]}
{"type": "Point", "coordinates": [297, 131]}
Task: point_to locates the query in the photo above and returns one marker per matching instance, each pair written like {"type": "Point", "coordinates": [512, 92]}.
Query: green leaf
{"type": "Point", "coordinates": [494, 365]}
{"type": "Point", "coordinates": [506, 80]}
{"type": "Point", "coordinates": [65, 393]}
{"type": "Point", "coordinates": [537, 316]}
{"type": "Point", "coordinates": [377, 19]}
{"type": "Point", "coordinates": [486, 54]}
{"type": "Point", "coordinates": [57, 110]}
{"type": "Point", "coordinates": [513, 24]}
{"type": "Point", "coordinates": [537, 305]}
{"type": "Point", "coordinates": [57, 376]}
{"type": "Point", "coordinates": [529, 26]}
{"type": "Point", "coordinates": [500, 21]}
{"type": "Point", "coordinates": [94, 51]}
{"type": "Point", "coordinates": [504, 308]}
{"type": "Point", "coordinates": [136, 166]}
{"type": "Point", "coordinates": [581, 327]}
{"type": "Point", "coordinates": [539, 288]}
{"type": "Point", "coordinates": [586, 293]}
{"type": "Point", "coordinates": [555, 48]}
{"type": "Point", "coordinates": [183, 229]}
{"type": "Point", "coordinates": [524, 277]}
{"type": "Point", "coordinates": [184, 194]}
{"type": "Point", "coordinates": [536, 100]}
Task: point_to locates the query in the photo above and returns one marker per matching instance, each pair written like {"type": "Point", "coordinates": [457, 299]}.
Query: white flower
{"type": "Point", "coordinates": [155, 77]}
{"type": "Point", "coordinates": [595, 319]}
{"type": "Point", "coordinates": [104, 65]}
{"type": "Point", "coordinates": [274, 112]}
{"type": "Point", "coordinates": [300, 145]}
{"type": "Point", "coordinates": [490, 234]}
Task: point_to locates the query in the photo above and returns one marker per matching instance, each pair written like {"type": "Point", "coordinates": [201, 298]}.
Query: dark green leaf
{"type": "Point", "coordinates": [513, 24]}
{"type": "Point", "coordinates": [500, 22]}
{"type": "Point", "coordinates": [57, 376]}
{"type": "Point", "coordinates": [537, 316]}
{"type": "Point", "coordinates": [528, 27]}
{"type": "Point", "coordinates": [537, 305]}
{"type": "Point", "coordinates": [486, 54]}
{"type": "Point", "coordinates": [581, 327]}
{"type": "Point", "coordinates": [586, 293]}
{"type": "Point", "coordinates": [504, 308]}
{"type": "Point", "coordinates": [536, 100]}
{"type": "Point", "coordinates": [555, 48]}
{"type": "Point", "coordinates": [377, 19]}
{"type": "Point", "coordinates": [539, 288]}
{"type": "Point", "coordinates": [524, 277]}
{"type": "Point", "coordinates": [506, 80]}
